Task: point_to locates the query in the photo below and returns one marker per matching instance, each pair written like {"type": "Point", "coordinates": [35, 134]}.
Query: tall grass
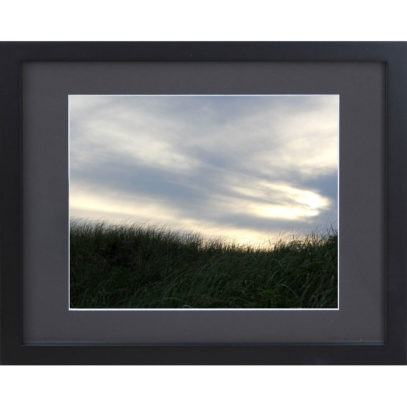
{"type": "Point", "coordinates": [146, 267]}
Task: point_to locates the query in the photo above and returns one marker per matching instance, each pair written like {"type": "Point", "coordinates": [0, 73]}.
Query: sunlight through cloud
{"type": "Point", "coordinates": [243, 168]}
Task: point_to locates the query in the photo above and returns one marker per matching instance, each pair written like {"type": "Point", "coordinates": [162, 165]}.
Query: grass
{"type": "Point", "coordinates": [145, 267]}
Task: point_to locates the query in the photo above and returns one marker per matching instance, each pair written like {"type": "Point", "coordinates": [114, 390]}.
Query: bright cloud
{"type": "Point", "coordinates": [244, 168]}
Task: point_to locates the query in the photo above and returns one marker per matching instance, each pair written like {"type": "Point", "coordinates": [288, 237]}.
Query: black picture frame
{"type": "Point", "coordinates": [13, 349]}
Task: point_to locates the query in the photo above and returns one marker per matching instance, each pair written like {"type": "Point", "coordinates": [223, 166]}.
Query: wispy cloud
{"type": "Point", "coordinates": [246, 168]}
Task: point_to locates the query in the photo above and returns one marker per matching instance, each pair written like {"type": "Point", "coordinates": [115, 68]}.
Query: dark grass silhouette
{"type": "Point", "coordinates": [145, 267]}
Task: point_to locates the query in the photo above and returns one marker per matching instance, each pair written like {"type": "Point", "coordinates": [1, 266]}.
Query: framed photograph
{"type": "Point", "coordinates": [203, 203]}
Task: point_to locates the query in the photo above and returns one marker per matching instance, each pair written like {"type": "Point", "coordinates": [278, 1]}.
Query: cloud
{"type": "Point", "coordinates": [247, 168]}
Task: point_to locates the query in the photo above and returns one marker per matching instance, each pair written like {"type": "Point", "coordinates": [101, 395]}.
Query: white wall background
{"type": "Point", "coordinates": [202, 20]}
{"type": "Point", "coordinates": [210, 20]}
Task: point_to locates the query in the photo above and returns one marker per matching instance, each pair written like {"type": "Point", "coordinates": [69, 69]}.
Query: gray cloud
{"type": "Point", "coordinates": [243, 167]}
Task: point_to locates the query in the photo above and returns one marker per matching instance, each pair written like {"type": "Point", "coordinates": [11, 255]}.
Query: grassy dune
{"type": "Point", "coordinates": [136, 267]}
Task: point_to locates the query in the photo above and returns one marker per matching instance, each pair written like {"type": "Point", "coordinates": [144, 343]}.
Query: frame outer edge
{"type": "Point", "coordinates": [13, 54]}
{"type": "Point", "coordinates": [10, 208]}
{"type": "Point", "coordinates": [397, 202]}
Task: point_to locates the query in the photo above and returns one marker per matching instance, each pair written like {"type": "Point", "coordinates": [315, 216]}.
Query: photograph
{"type": "Point", "coordinates": [193, 202]}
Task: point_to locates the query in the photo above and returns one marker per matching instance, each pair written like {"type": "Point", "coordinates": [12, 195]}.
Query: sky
{"type": "Point", "coordinates": [244, 168]}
